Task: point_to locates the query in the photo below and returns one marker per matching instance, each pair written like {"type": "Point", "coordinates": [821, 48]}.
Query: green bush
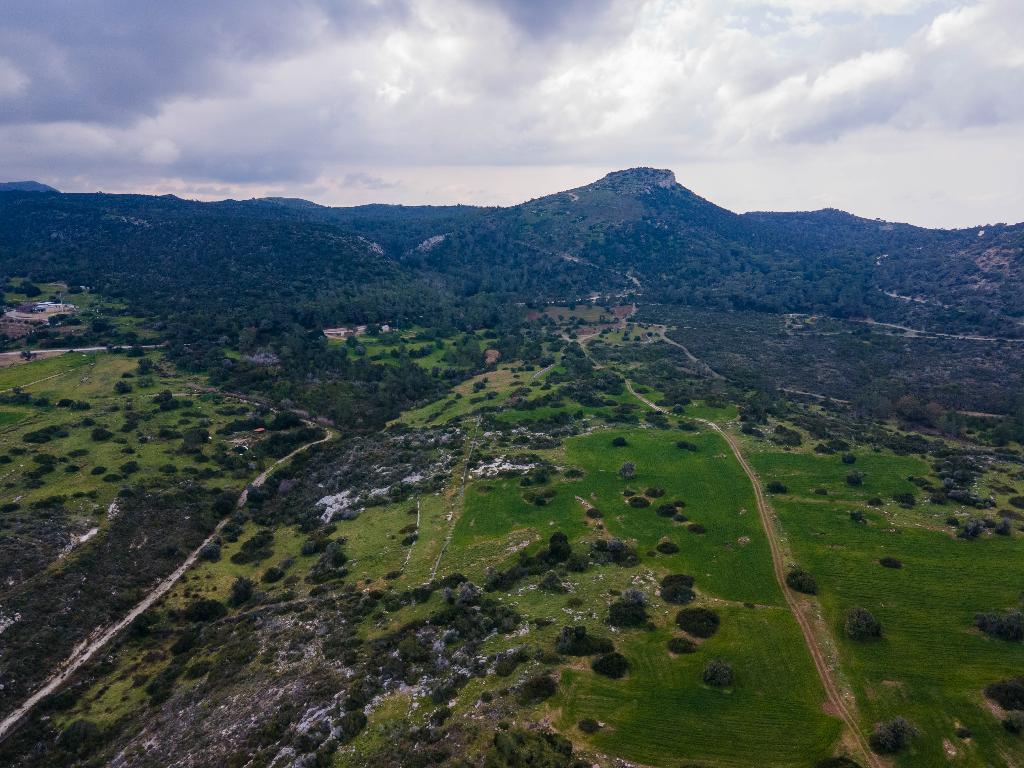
{"type": "Point", "coordinates": [576, 641]}
{"type": "Point", "coordinates": [677, 588]}
{"type": "Point", "coordinates": [860, 624]}
{"type": "Point", "coordinates": [699, 622]}
{"type": "Point", "coordinates": [613, 665]}
{"type": "Point", "coordinates": [536, 689]}
{"type": "Point", "coordinates": [681, 645]}
{"type": "Point", "coordinates": [1008, 694]}
{"type": "Point", "coordinates": [800, 580]}
{"type": "Point", "coordinates": [717, 673]}
{"type": "Point", "coordinates": [891, 736]}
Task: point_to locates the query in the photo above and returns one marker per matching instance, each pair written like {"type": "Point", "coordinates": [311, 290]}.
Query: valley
{"type": "Point", "coordinates": [490, 522]}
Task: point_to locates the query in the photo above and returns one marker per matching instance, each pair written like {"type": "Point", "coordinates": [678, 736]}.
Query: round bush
{"type": "Point", "coordinates": [860, 624]}
{"type": "Point", "coordinates": [654, 492]}
{"type": "Point", "coordinates": [890, 562]}
{"type": "Point", "coordinates": [667, 547]}
{"type": "Point", "coordinates": [639, 502]}
{"type": "Point", "coordinates": [696, 528]}
{"type": "Point", "coordinates": [699, 622]}
{"type": "Point", "coordinates": [800, 580]}
{"type": "Point", "coordinates": [717, 673]}
{"type": "Point", "coordinates": [589, 725]}
{"type": "Point", "coordinates": [613, 665]}
{"type": "Point", "coordinates": [891, 736]}
{"type": "Point", "coordinates": [682, 645]}
{"type": "Point", "coordinates": [677, 588]}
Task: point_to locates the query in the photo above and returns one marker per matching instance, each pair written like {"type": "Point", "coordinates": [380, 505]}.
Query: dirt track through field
{"type": "Point", "coordinates": [100, 638]}
{"type": "Point", "coordinates": [800, 609]}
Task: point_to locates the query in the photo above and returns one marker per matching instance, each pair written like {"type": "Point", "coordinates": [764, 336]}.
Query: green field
{"type": "Point", "coordinates": [931, 665]}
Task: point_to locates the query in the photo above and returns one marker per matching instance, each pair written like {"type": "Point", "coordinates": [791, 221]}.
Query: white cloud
{"type": "Point", "coordinates": [474, 86]}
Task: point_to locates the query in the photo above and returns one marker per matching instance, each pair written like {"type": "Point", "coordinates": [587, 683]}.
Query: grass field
{"type": "Point", "coordinates": [774, 709]}
{"type": "Point", "coordinates": [931, 665]}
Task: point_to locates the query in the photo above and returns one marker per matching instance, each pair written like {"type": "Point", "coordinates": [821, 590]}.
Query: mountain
{"type": "Point", "coordinates": [633, 230]}
{"type": "Point", "coordinates": [25, 186]}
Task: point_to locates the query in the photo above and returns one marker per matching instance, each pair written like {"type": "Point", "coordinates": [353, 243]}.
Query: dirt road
{"type": "Point", "coordinates": [101, 637]}
{"type": "Point", "coordinates": [799, 608]}
{"type": "Point", "coordinates": [13, 358]}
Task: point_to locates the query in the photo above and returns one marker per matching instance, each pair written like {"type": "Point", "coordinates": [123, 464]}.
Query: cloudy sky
{"type": "Point", "coordinates": [903, 109]}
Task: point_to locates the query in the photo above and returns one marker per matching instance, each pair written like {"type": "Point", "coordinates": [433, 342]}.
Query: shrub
{"type": "Point", "coordinates": [1014, 722]}
{"type": "Point", "coordinates": [666, 510]}
{"type": "Point", "coordinates": [849, 458]}
{"type": "Point", "coordinates": [677, 588]}
{"type": "Point", "coordinates": [667, 547]}
{"type": "Point", "coordinates": [696, 528]}
{"type": "Point", "coordinates": [100, 434]}
{"type": "Point", "coordinates": [1008, 694]}
{"type": "Point", "coordinates": [1006, 626]}
{"type": "Point", "coordinates": [654, 492]}
{"type": "Point", "coordinates": [891, 736]}
{"type": "Point", "coordinates": [272, 574]}
{"type": "Point", "coordinates": [536, 689]}
{"type": "Point", "coordinates": [552, 583]}
{"type": "Point", "coordinates": [837, 762]}
{"type": "Point", "coordinates": [589, 725]}
{"type": "Point", "coordinates": [855, 478]}
{"type": "Point", "coordinates": [860, 624]}
{"type": "Point", "coordinates": [241, 591]}
{"type": "Point", "coordinates": [594, 513]}
{"type": "Point", "coordinates": [686, 445]}
{"type": "Point", "coordinates": [1017, 501]}
{"type": "Point", "coordinates": [638, 502]}
{"type": "Point", "coordinates": [80, 737]}
{"type": "Point", "coordinates": [627, 471]}
{"type": "Point", "coordinates": [575, 641]}
{"type": "Point", "coordinates": [717, 673]}
{"type": "Point", "coordinates": [801, 581]}
{"type": "Point", "coordinates": [205, 609]}
{"type": "Point", "coordinates": [891, 562]}
{"type": "Point", "coordinates": [857, 516]}
{"type": "Point", "coordinates": [619, 442]}
{"type": "Point", "coordinates": [699, 622]}
{"type": "Point", "coordinates": [972, 529]}
{"type": "Point", "coordinates": [623, 613]}
{"type": "Point", "coordinates": [613, 665]}
{"type": "Point", "coordinates": [776, 487]}
{"type": "Point", "coordinates": [904, 499]}
{"type": "Point", "coordinates": [682, 645]}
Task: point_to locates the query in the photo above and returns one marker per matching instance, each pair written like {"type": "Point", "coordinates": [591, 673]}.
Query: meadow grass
{"type": "Point", "coordinates": [931, 665]}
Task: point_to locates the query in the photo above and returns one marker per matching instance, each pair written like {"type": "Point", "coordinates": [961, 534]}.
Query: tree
{"type": "Point", "coordinates": [627, 471]}
{"type": "Point", "coordinates": [241, 591]}
{"type": "Point", "coordinates": [699, 622]}
{"type": "Point", "coordinates": [613, 665]}
{"type": "Point", "coordinates": [860, 624]}
{"type": "Point", "coordinates": [801, 581]}
{"type": "Point", "coordinates": [891, 736]}
{"type": "Point", "coordinates": [718, 673]}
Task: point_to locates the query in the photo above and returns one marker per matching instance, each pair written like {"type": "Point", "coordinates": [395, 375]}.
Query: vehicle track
{"type": "Point", "coordinates": [835, 699]}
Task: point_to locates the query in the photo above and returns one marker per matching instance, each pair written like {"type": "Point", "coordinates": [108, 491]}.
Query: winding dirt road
{"type": "Point", "coordinates": [101, 637]}
{"type": "Point", "coordinates": [800, 609]}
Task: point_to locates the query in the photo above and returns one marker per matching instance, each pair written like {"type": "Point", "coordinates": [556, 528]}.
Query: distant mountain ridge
{"type": "Point", "coordinates": [25, 186]}
{"type": "Point", "coordinates": [636, 230]}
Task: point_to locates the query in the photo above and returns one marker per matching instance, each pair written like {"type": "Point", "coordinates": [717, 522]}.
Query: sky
{"type": "Point", "coordinates": [907, 110]}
